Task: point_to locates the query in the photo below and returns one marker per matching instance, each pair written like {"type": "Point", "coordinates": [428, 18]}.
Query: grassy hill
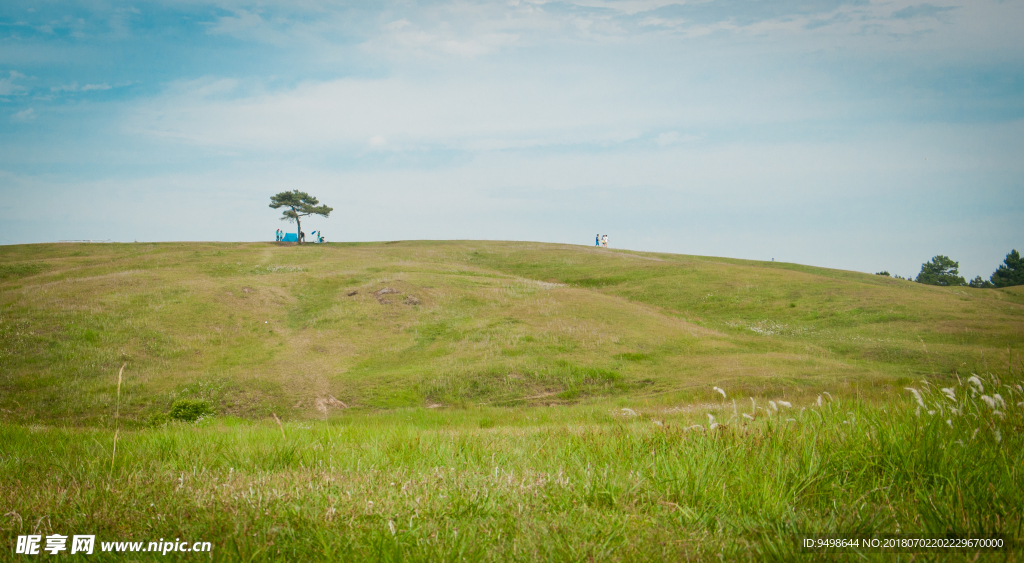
{"type": "Point", "coordinates": [415, 381]}
{"type": "Point", "coordinates": [303, 331]}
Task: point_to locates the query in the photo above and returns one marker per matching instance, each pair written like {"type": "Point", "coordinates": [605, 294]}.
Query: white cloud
{"type": "Point", "coordinates": [248, 26]}
{"type": "Point", "coordinates": [403, 37]}
{"type": "Point", "coordinates": [24, 115]}
{"type": "Point", "coordinates": [73, 87]}
{"type": "Point", "coordinates": [628, 7]}
{"type": "Point", "coordinates": [673, 137]}
{"type": "Point", "coordinates": [477, 106]}
{"type": "Point", "coordinates": [203, 88]}
{"type": "Point", "coordinates": [653, 21]}
{"type": "Point", "coordinates": [8, 86]}
{"type": "Point", "coordinates": [486, 112]}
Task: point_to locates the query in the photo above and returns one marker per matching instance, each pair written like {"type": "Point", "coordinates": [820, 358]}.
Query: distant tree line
{"type": "Point", "coordinates": [943, 270]}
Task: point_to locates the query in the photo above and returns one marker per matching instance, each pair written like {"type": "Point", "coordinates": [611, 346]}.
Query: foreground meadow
{"type": "Point", "coordinates": [731, 481]}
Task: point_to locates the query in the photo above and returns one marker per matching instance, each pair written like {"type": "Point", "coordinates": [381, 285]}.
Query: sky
{"type": "Point", "coordinates": [850, 134]}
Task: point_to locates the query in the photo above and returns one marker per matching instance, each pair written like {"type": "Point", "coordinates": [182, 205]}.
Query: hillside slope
{"type": "Point", "coordinates": [300, 331]}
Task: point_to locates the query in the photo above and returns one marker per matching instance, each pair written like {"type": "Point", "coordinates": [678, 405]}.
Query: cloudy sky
{"type": "Point", "coordinates": [858, 134]}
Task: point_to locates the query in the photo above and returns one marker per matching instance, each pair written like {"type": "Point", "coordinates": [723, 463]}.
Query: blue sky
{"type": "Point", "coordinates": [850, 134]}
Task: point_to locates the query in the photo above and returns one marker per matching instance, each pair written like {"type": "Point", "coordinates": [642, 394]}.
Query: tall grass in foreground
{"type": "Point", "coordinates": [117, 420]}
{"type": "Point", "coordinates": [572, 484]}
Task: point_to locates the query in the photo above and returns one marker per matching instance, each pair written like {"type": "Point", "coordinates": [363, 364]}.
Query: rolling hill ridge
{"type": "Point", "coordinates": [303, 331]}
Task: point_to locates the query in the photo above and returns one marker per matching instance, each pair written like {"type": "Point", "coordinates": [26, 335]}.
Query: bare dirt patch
{"type": "Point", "coordinates": [322, 404]}
{"type": "Point", "coordinates": [379, 294]}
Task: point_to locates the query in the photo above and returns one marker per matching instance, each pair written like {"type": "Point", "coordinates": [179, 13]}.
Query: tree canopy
{"type": "Point", "coordinates": [299, 204]}
{"type": "Point", "coordinates": [1010, 272]}
{"type": "Point", "coordinates": [978, 282]}
{"type": "Point", "coordinates": [942, 270]}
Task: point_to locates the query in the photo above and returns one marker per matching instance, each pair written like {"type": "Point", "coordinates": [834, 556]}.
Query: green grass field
{"type": "Point", "coordinates": [499, 401]}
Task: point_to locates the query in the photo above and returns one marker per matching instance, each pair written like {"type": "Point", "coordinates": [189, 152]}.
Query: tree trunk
{"type": "Point", "coordinates": [298, 235]}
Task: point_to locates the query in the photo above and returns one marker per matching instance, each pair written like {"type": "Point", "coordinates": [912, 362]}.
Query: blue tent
{"type": "Point", "coordinates": [291, 237]}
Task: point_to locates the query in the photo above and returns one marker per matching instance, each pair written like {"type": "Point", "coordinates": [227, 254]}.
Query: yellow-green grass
{"type": "Point", "coordinates": [261, 327]}
{"type": "Point", "coordinates": [574, 483]}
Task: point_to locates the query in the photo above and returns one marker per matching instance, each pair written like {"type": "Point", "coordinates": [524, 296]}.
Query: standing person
{"type": "Point", "coordinates": [302, 236]}
{"type": "Point", "coordinates": [606, 241]}
{"type": "Point", "coordinates": [597, 240]}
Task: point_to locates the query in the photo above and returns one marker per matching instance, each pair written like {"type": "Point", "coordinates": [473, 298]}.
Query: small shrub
{"type": "Point", "coordinates": [189, 410]}
{"type": "Point", "coordinates": [156, 419]}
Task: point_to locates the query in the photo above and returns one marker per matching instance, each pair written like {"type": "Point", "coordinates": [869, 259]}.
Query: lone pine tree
{"type": "Point", "coordinates": [299, 204]}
